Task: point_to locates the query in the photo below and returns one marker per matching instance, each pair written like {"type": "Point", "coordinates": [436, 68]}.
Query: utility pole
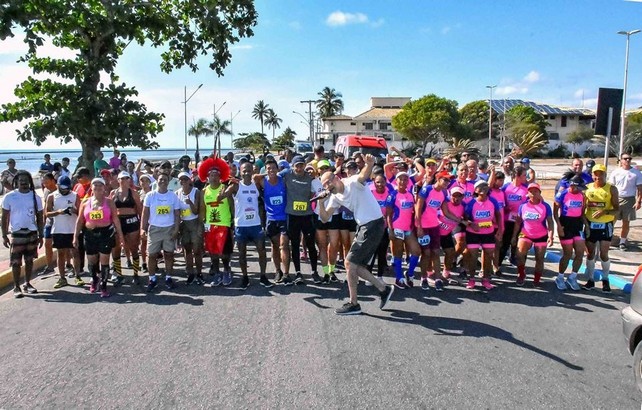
{"type": "Point", "coordinates": [309, 102]}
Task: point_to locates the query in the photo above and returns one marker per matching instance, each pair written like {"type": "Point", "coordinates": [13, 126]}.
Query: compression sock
{"type": "Point", "coordinates": [136, 263]}
{"type": "Point", "coordinates": [606, 269]}
{"type": "Point", "coordinates": [412, 265]}
{"type": "Point", "coordinates": [118, 268]}
{"type": "Point", "coordinates": [104, 272]}
{"type": "Point", "coordinates": [396, 263]}
{"type": "Point", "coordinates": [590, 268]}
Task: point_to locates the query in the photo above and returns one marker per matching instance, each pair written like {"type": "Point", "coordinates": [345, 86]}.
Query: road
{"type": "Point", "coordinates": [284, 348]}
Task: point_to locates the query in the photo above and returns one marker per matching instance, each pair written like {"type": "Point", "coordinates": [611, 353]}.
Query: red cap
{"type": "Point", "coordinates": [444, 174]}
{"type": "Point", "coordinates": [534, 185]}
{"type": "Point", "coordinates": [105, 171]}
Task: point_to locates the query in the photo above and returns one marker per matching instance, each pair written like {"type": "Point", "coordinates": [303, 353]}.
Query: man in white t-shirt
{"type": "Point", "coordinates": [628, 182]}
{"type": "Point", "coordinates": [353, 194]}
{"type": "Point", "coordinates": [22, 216]}
{"type": "Point", "coordinates": [161, 222]}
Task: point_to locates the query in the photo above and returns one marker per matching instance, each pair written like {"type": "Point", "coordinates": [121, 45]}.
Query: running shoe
{"type": "Point", "coordinates": [299, 279]}
{"type": "Point", "coordinates": [136, 280]}
{"type": "Point", "coordinates": [520, 280]}
{"type": "Point", "coordinates": [218, 279]}
{"type": "Point", "coordinates": [278, 277]}
{"type": "Point", "coordinates": [537, 279]}
{"type": "Point", "coordinates": [606, 286]}
{"type": "Point", "coordinates": [487, 284]}
{"type": "Point", "coordinates": [572, 283]}
{"type": "Point", "coordinates": [287, 280]}
{"type": "Point", "coordinates": [498, 273]}
{"type": "Point", "coordinates": [316, 278]}
{"type": "Point", "coordinates": [401, 283]}
{"type": "Point", "coordinates": [333, 278]}
{"type": "Point", "coordinates": [326, 279]}
{"type": "Point", "coordinates": [94, 286]}
{"type": "Point", "coordinates": [471, 284]}
{"type": "Point", "coordinates": [145, 268]}
{"type": "Point", "coordinates": [17, 293]}
{"type": "Point", "coordinates": [71, 274]}
{"type": "Point", "coordinates": [265, 282]}
{"type": "Point", "coordinates": [79, 281]}
{"type": "Point", "coordinates": [623, 247]}
{"type": "Point", "coordinates": [60, 283]}
{"type": "Point", "coordinates": [424, 283]}
{"type": "Point", "coordinates": [169, 283]}
{"type": "Point", "coordinates": [29, 289]}
{"type": "Point", "coordinates": [200, 280]}
{"type": "Point", "coordinates": [151, 284]}
{"type": "Point", "coordinates": [190, 278]}
{"type": "Point", "coordinates": [409, 280]}
{"type": "Point", "coordinates": [439, 285]}
{"type": "Point", "coordinates": [588, 285]}
{"type": "Point", "coordinates": [46, 271]}
{"type": "Point", "coordinates": [385, 296]}
{"type": "Point", "coordinates": [348, 309]}
{"type": "Point", "coordinates": [245, 282]}
{"type": "Point", "coordinates": [119, 280]}
{"type": "Point", "coordinates": [113, 278]}
{"type": "Point", "coordinates": [227, 278]}
{"type": "Point", "coordinates": [560, 283]}
{"type": "Point", "coordinates": [104, 294]}
{"type": "Point", "coordinates": [129, 265]}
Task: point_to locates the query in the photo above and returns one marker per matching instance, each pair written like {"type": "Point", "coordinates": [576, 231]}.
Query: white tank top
{"type": "Point", "coordinates": [64, 223]}
{"type": "Point", "coordinates": [186, 210]}
{"type": "Point", "coordinates": [246, 205]}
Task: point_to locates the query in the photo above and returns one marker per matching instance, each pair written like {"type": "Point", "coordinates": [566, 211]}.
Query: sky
{"type": "Point", "coordinates": [549, 51]}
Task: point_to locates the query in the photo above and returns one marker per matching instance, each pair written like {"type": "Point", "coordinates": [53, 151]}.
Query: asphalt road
{"type": "Point", "coordinates": [201, 347]}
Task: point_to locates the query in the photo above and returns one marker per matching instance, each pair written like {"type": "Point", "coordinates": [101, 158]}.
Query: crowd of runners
{"type": "Point", "coordinates": [430, 222]}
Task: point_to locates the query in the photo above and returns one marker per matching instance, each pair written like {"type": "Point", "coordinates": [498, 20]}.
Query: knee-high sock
{"type": "Point", "coordinates": [396, 263]}
{"type": "Point", "coordinates": [590, 268]}
{"type": "Point", "coordinates": [412, 265]}
{"type": "Point", "coordinates": [606, 269]}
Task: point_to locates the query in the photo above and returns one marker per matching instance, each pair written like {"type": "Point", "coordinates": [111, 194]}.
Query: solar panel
{"type": "Point", "coordinates": [500, 106]}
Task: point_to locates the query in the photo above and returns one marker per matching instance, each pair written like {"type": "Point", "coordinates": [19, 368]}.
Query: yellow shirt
{"type": "Point", "coordinates": [216, 213]}
{"type": "Point", "coordinates": [598, 199]}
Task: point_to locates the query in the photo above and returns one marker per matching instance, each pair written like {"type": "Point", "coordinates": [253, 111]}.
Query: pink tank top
{"type": "Point", "coordinates": [515, 196]}
{"type": "Point", "coordinates": [499, 197]}
{"type": "Point", "coordinates": [468, 187]}
{"type": "Point", "coordinates": [432, 206]}
{"type": "Point", "coordinates": [570, 203]}
{"type": "Point", "coordinates": [403, 210]}
{"type": "Point", "coordinates": [446, 225]}
{"type": "Point", "coordinates": [382, 199]}
{"type": "Point", "coordinates": [534, 219]}
{"type": "Point", "coordinates": [100, 216]}
{"type": "Point", "coordinates": [483, 214]}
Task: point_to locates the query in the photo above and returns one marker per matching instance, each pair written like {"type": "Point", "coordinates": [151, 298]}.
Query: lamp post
{"type": "Point", "coordinates": [308, 122]}
{"type": "Point", "coordinates": [232, 127]}
{"type": "Point", "coordinates": [628, 35]}
{"type": "Point", "coordinates": [185, 102]}
{"type": "Point", "coordinates": [490, 119]}
{"type": "Point", "coordinates": [310, 102]}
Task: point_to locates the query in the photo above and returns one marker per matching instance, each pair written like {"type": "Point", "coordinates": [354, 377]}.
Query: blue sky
{"type": "Point", "coordinates": [555, 52]}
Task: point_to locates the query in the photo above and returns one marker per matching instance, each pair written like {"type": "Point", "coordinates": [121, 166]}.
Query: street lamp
{"type": "Point", "coordinates": [232, 127]}
{"type": "Point", "coordinates": [628, 35]}
{"type": "Point", "coordinates": [185, 102]}
{"type": "Point", "coordinates": [490, 119]}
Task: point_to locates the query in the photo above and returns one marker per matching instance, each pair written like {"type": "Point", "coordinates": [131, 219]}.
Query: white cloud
{"type": "Point", "coordinates": [339, 18]}
{"type": "Point", "coordinates": [511, 90]}
{"type": "Point", "coordinates": [532, 77]}
{"type": "Point", "coordinates": [16, 46]}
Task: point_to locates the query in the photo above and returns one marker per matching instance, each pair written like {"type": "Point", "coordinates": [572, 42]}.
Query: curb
{"type": "Point", "coordinates": [6, 277]}
{"type": "Point", "coordinates": [614, 280]}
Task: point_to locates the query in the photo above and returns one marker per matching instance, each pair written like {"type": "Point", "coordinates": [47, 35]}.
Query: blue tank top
{"type": "Point", "coordinates": [274, 199]}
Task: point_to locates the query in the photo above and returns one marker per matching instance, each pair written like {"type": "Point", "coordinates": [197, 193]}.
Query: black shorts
{"type": "Point", "coordinates": [476, 240]}
{"type": "Point", "coordinates": [333, 224]}
{"type": "Point", "coordinates": [573, 226]}
{"type": "Point", "coordinates": [347, 224]}
{"type": "Point", "coordinates": [366, 242]}
{"type": "Point", "coordinates": [601, 232]}
{"type": "Point", "coordinates": [129, 223]}
{"type": "Point", "coordinates": [100, 240]}
{"type": "Point", "coordinates": [446, 241]}
{"type": "Point", "coordinates": [63, 240]}
{"type": "Point", "coordinates": [275, 228]}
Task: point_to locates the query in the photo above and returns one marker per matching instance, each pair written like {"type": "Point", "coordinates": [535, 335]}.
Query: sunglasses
{"type": "Point", "coordinates": [627, 159]}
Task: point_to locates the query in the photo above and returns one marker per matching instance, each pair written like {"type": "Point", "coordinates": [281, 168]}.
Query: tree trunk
{"type": "Point", "coordinates": [90, 150]}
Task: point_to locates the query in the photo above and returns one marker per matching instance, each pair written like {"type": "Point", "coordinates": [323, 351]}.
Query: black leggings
{"type": "Point", "coordinates": [506, 241]}
{"type": "Point", "coordinates": [297, 225]}
{"type": "Point", "coordinates": [381, 255]}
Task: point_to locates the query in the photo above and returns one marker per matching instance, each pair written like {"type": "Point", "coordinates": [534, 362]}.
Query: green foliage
{"type": "Point", "coordinates": [522, 120]}
{"type": "Point", "coordinates": [427, 119]}
{"type": "Point", "coordinates": [456, 146]}
{"type": "Point", "coordinates": [255, 141]}
{"type": "Point", "coordinates": [474, 118]}
{"type": "Point", "coordinates": [220, 127]}
{"type": "Point", "coordinates": [579, 136]}
{"type": "Point", "coordinates": [260, 112]}
{"type": "Point", "coordinates": [329, 102]}
{"type": "Point", "coordinates": [284, 141]}
{"type": "Point", "coordinates": [272, 121]}
{"type": "Point", "coordinates": [74, 103]}
{"type": "Point", "coordinates": [633, 138]}
{"type": "Point", "coordinates": [560, 152]}
{"type": "Point", "coordinates": [201, 128]}
{"type": "Point", "coordinates": [528, 144]}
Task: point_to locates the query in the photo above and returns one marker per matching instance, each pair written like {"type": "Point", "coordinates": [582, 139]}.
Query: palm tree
{"type": "Point", "coordinates": [201, 128]}
{"type": "Point", "coordinates": [272, 121]}
{"type": "Point", "coordinates": [526, 144]}
{"type": "Point", "coordinates": [220, 127]}
{"type": "Point", "coordinates": [260, 112]}
{"type": "Point", "coordinates": [329, 103]}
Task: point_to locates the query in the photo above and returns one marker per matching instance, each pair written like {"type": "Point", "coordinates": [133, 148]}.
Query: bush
{"type": "Point", "coordinates": [560, 152]}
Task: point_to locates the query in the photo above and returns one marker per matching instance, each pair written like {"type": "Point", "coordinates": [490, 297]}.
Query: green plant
{"type": "Point", "coordinates": [559, 152]}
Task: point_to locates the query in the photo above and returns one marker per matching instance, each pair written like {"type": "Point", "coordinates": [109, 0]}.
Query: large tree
{"type": "Point", "coordinates": [220, 127]}
{"type": "Point", "coordinates": [474, 120]}
{"type": "Point", "coordinates": [72, 102]}
{"type": "Point", "coordinates": [285, 140]}
{"type": "Point", "coordinates": [255, 141]}
{"type": "Point", "coordinates": [329, 102]}
{"type": "Point", "coordinates": [427, 120]}
{"type": "Point", "coordinates": [522, 120]}
{"type": "Point", "coordinates": [260, 112]}
{"type": "Point", "coordinates": [273, 121]}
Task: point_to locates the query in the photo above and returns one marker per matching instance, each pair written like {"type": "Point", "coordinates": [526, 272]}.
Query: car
{"type": "Point", "coordinates": [632, 327]}
{"type": "Point", "coordinates": [239, 155]}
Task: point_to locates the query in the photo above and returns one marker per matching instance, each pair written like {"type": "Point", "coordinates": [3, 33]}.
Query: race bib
{"type": "Point", "coordinates": [131, 220]}
{"type": "Point", "coordinates": [186, 212]}
{"type": "Point", "coordinates": [399, 233]}
{"type": "Point", "coordinates": [96, 215]}
{"type": "Point", "coordinates": [347, 216]}
{"type": "Point", "coordinates": [276, 200]}
{"type": "Point", "coordinates": [424, 240]}
{"type": "Point", "coordinates": [300, 206]}
{"type": "Point", "coordinates": [163, 210]}
{"type": "Point", "coordinates": [486, 224]}
{"type": "Point", "coordinates": [249, 216]}
{"type": "Point", "coordinates": [598, 225]}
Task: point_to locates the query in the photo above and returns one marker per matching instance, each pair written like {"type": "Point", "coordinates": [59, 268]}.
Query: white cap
{"type": "Point", "coordinates": [102, 181]}
{"type": "Point", "coordinates": [184, 174]}
{"type": "Point", "coordinates": [479, 183]}
{"type": "Point", "coordinates": [124, 174]}
{"type": "Point", "coordinates": [400, 174]}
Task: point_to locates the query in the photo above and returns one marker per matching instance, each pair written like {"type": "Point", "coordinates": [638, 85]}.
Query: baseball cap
{"type": "Point", "coordinates": [184, 175]}
{"type": "Point", "coordinates": [590, 163]}
{"type": "Point", "coordinates": [100, 180]}
{"type": "Point", "coordinates": [310, 166]}
{"type": "Point", "coordinates": [599, 167]}
{"type": "Point", "coordinates": [105, 171]}
{"type": "Point", "coordinates": [576, 180]}
{"type": "Point", "coordinates": [525, 160]}
{"type": "Point", "coordinates": [457, 190]}
{"type": "Point", "coordinates": [534, 185]}
{"type": "Point", "coordinates": [124, 174]}
{"type": "Point", "coordinates": [283, 164]}
{"type": "Point", "coordinates": [430, 161]}
{"type": "Point", "coordinates": [400, 174]}
{"type": "Point", "coordinates": [351, 164]}
{"type": "Point", "coordinates": [323, 163]}
{"type": "Point", "coordinates": [297, 160]}
{"type": "Point", "coordinates": [480, 183]}
{"type": "Point", "coordinates": [64, 182]}
{"type": "Point", "coordinates": [444, 174]}
{"type": "Point", "coordinates": [149, 177]}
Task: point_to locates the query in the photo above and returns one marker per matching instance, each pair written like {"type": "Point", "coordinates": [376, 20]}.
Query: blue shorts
{"type": "Point", "coordinates": [248, 233]}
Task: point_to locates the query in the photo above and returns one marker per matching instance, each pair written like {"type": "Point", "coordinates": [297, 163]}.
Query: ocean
{"type": "Point", "coordinates": [31, 159]}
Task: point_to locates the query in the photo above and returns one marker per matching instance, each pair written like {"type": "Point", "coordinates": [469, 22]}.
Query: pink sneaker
{"type": "Point", "coordinates": [104, 294]}
{"type": "Point", "coordinates": [486, 283]}
{"type": "Point", "coordinates": [471, 284]}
